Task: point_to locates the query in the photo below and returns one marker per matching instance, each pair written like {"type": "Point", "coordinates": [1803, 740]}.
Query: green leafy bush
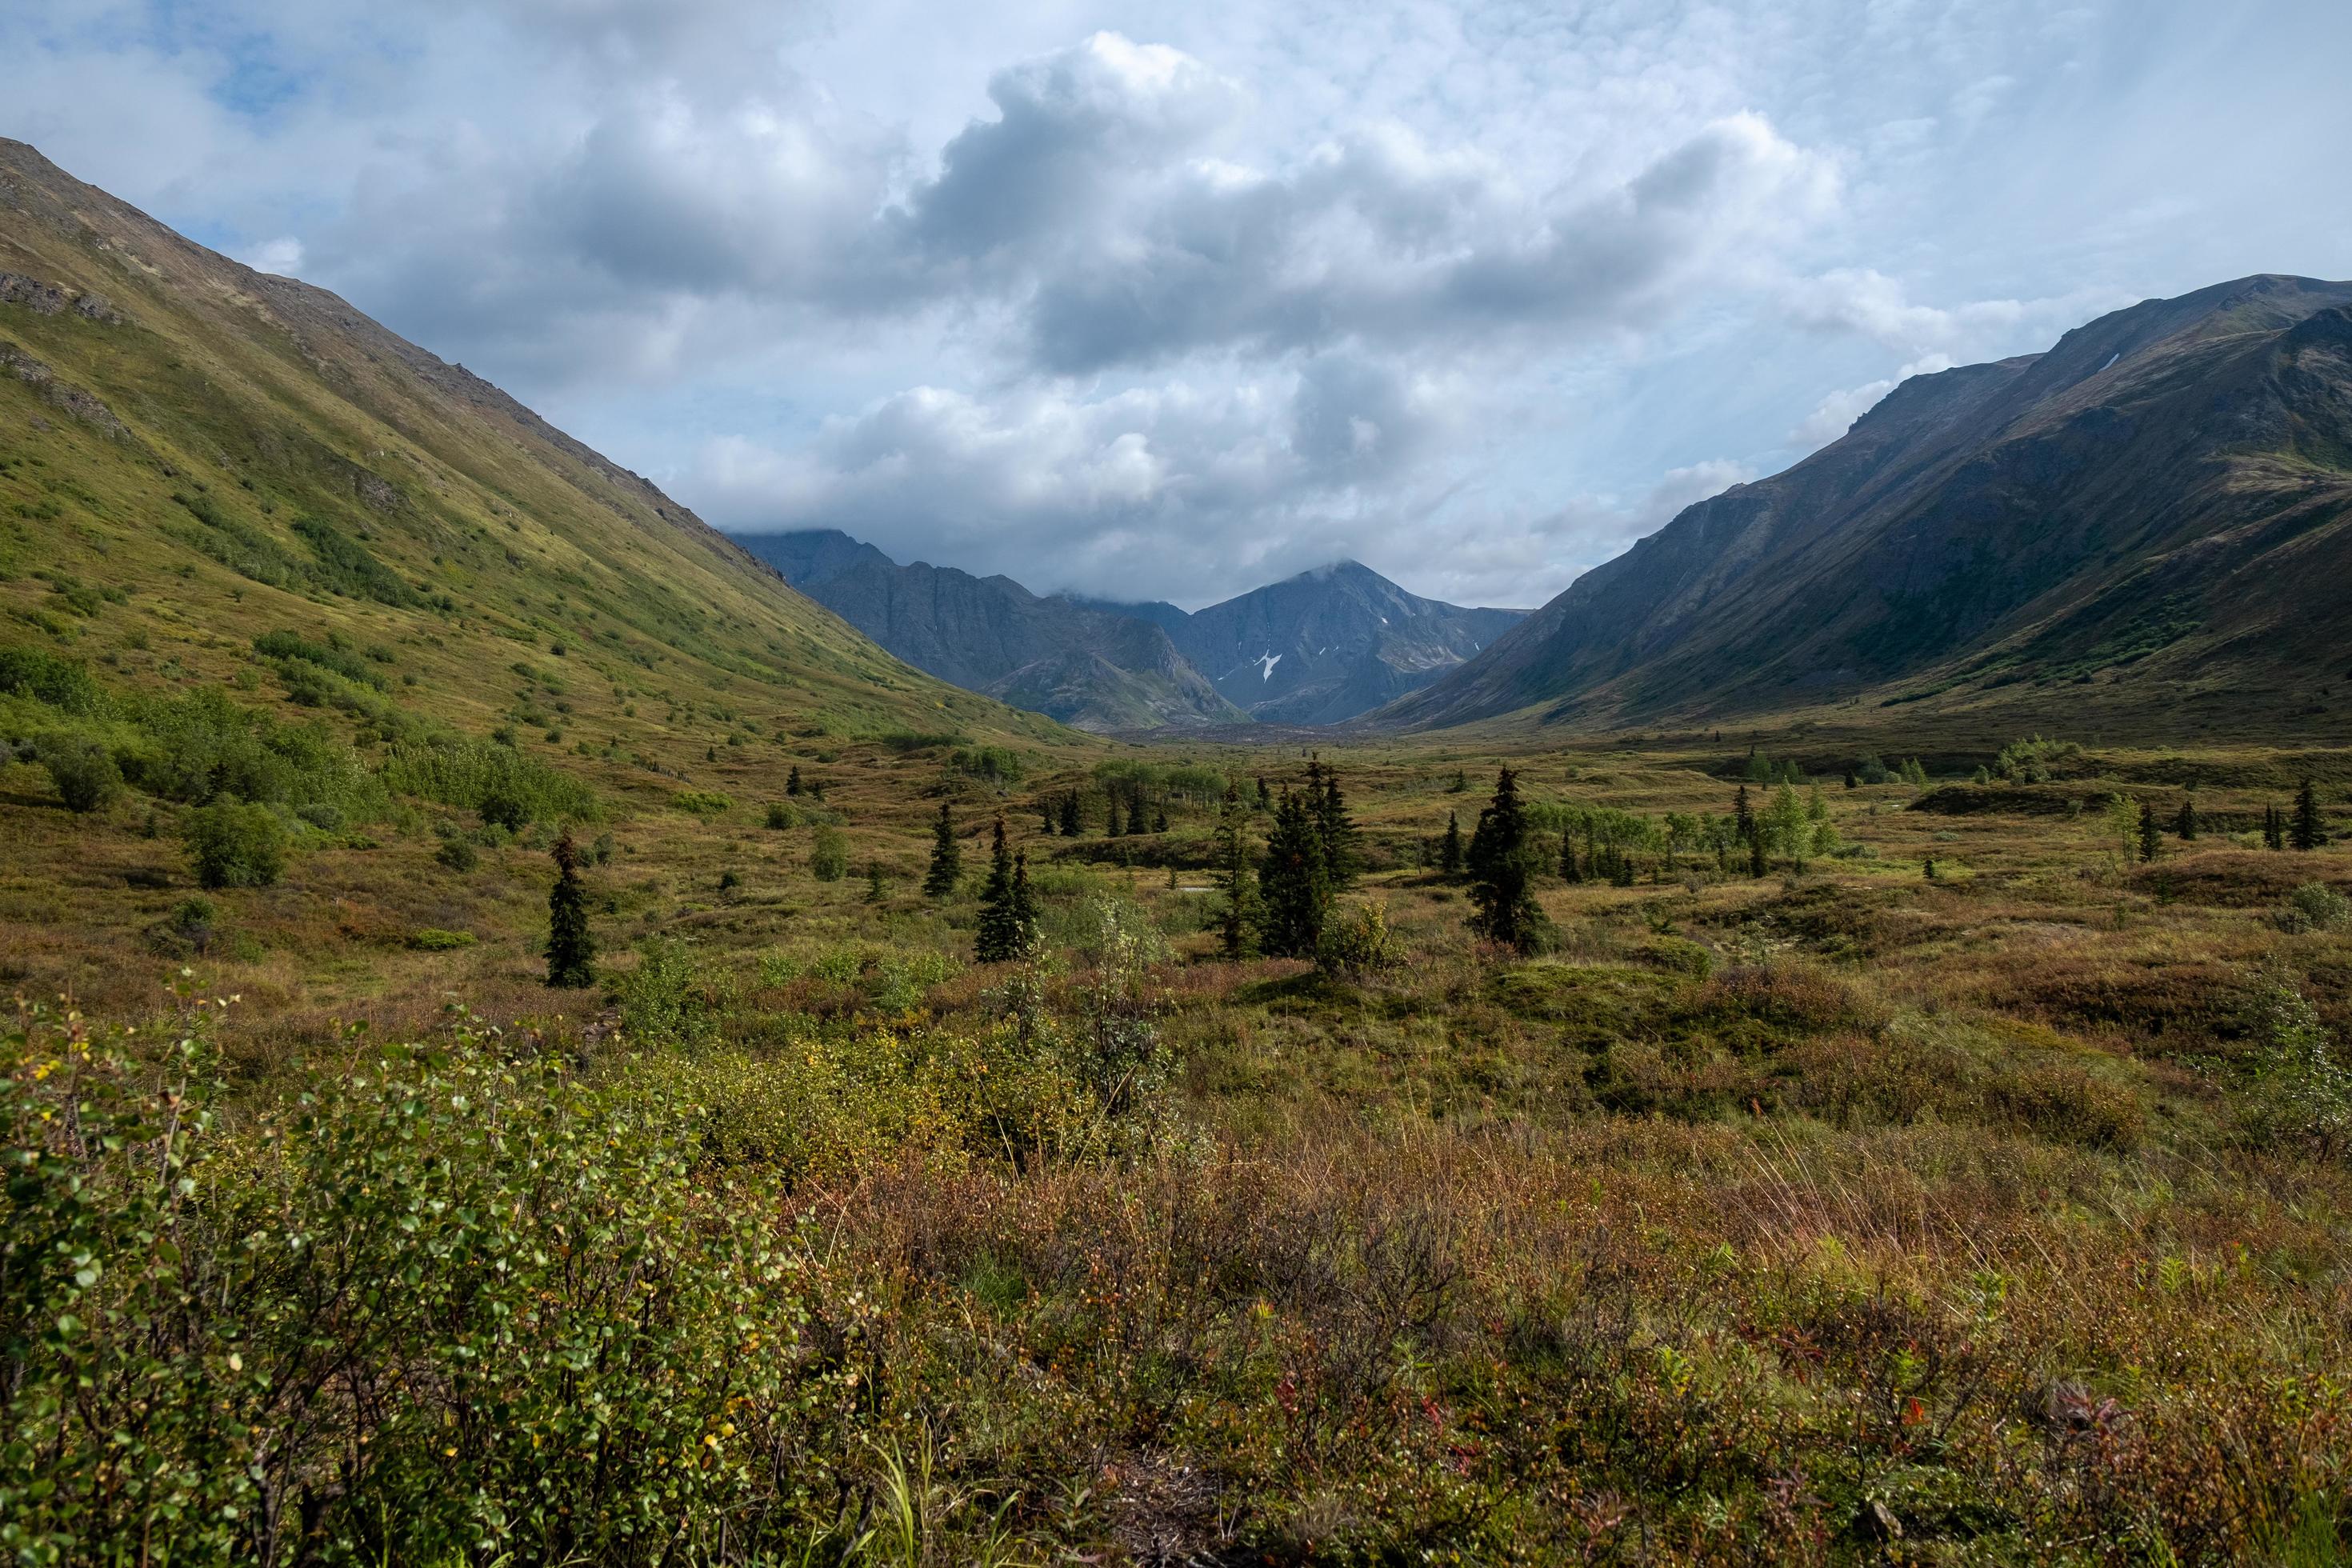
{"type": "Point", "coordinates": [459, 855]}
{"type": "Point", "coordinates": [45, 678]}
{"type": "Point", "coordinates": [828, 855]}
{"type": "Point", "coordinates": [235, 843]}
{"type": "Point", "coordinates": [1356, 941]}
{"type": "Point", "coordinates": [2314, 906]}
{"type": "Point", "coordinates": [83, 772]}
{"type": "Point", "coordinates": [432, 938]}
{"type": "Point", "coordinates": [467, 1305]}
{"type": "Point", "coordinates": [463, 771]}
{"type": "Point", "coordinates": [703, 802]}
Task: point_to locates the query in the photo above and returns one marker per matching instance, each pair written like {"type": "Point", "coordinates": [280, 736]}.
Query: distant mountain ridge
{"type": "Point", "coordinates": [2161, 504]}
{"type": "Point", "coordinates": [1316, 648]}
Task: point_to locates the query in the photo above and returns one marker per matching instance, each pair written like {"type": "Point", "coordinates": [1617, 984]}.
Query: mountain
{"type": "Point", "coordinates": [2154, 516]}
{"type": "Point", "coordinates": [1094, 669]}
{"type": "Point", "coordinates": [1316, 648]}
{"type": "Point", "coordinates": [1330, 644]}
{"type": "Point", "coordinates": [195, 456]}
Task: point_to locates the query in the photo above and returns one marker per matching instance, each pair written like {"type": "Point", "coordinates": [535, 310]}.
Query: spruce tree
{"type": "Point", "coordinates": [2273, 827]}
{"type": "Point", "coordinates": [1238, 922]}
{"type": "Point", "coordinates": [1501, 885]}
{"type": "Point", "coordinates": [1265, 796]}
{"type": "Point", "coordinates": [1114, 824]}
{"type": "Point", "coordinates": [999, 936]}
{"type": "Point", "coordinates": [1135, 822]}
{"type": "Point", "coordinates": [2306, 833]}
{"type": "Point", "coordinates": [1743, 816]}
{"type": "Point", "coordinates": [2146, 831]}
{"type": "Point", "coordinates": [792, 780]}
{"type": "Point", "coordinates": [1070, 825]}
{"type": "Point", "coordinates": [1449, 851]}
{"type": "Point", "coordinates": [1757, 863]}
{"type": "Point", "coordinates": [1293, 893]}
{"type": "Point", "coordinates": [947, 859]}
{"type": "Point", "coordinates": [2184, 826]}
{"type": "Point", "coordinates": [571, 951]}
{"type": "Point", "coordinates": [1338, 831]}
{"type": "Point", "coordinates": [1569, 871]}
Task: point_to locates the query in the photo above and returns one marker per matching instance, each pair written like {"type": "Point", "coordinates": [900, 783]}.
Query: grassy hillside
{"type": "Point", "coordinates": [221, 488]}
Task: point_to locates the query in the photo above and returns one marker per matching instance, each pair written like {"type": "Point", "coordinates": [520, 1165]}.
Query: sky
{"type": "Point", "coordinates": [1154, 301]}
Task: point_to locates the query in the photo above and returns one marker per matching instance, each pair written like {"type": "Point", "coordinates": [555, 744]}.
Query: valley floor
{"type": "Point", "coordinates": [1838, 1214]}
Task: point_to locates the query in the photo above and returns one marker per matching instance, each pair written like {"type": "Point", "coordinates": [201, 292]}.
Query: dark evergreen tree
{"type": "Point", "coordinates": [1160, 820]}
{"type": "Point", "coordinates": [999, 936]}
{"type": "Point", "coordinates": [2184, 826]}
{"type": "Point", "coordinates": [1135, 822]}
{"type": "Point", "coordinates": [792, 780]}
{"type": "Point", "coordinates": [1341, 858]}
{"type": "Point", "coordinates": [1449, 850]}
{"type": "Point", "coordinates": [1115, 824]}
{"type": "Point", "coordinates": [1743, 816]}
{"type": "Point", "coordinates": [2306, 832]}
{"type": "Point", "coordinates": [1265, 796]}
{"type": "Point", "coordinates": [1048, 823]}
{"type": "Point", "coordinates": [1238, 923]}
{"type": "Point", "coordinates": [1070, 825]}
{"type": "Point", "coordinates": [1569, 869]}
{"type": "Point", "coordinates": [1293, 894]}
{"type": "Point", "coordinates": [571, 951]}
{"type": "Point", "coordinates": [2273, 827]}
{"type": "Point", "coordinates": [2146, 831]}
{"type": "Point", "coordinates": [947, 858]}
{"type": "Point", "coordinates": [1501, 878]}
{"type": "Point", "coordinates": [1757, 862]}
{"type": "Point", "coordinates": [874, 890]}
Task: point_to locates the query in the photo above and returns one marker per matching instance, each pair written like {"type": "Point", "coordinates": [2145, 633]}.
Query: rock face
{"type": "Point", "coordinates": [1328, 644]}
{"type": "Point", "coordinates": [1089, 667]}
{"type": "Point", "coordinates": [2159, 507]}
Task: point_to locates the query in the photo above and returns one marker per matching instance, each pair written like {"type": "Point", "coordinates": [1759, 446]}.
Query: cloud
{"type": "Point", "coordinates": [1379, 239]}
{"type": "Point", "coordinates": [1867, 302]}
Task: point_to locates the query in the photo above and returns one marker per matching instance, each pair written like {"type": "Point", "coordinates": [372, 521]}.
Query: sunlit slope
{"type": "Point", "coordinates": [193, 454]}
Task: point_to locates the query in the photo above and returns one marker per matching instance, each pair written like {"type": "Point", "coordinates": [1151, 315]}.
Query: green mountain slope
{"type": "Point", "coordinates": [2151, 522]}
{"type": "Point", "coordinates": [194, 455]}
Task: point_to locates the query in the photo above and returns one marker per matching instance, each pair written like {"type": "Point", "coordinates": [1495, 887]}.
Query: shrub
{"type": "Point", "coordinates": [463, 773]}
{"type": "Point", "coordinates": [2314, 906]}
{"type": "Point", "coordinates": [1357, 940]}
{"type": "Point", "coordinates": [524, 1298]}
{"type": "Point", "coordinates": [459, 855]}
{"type": "Point", "coordinates": [235, 843]}
{"type": "Point", "coordinates": [84, 772]}
{"type": "Point", "coordinates": [828, 855]}
{"type": "Point", "coordinates": [432, 938]}
{"type": "Point", "coordinates": [703, 802]}
{"type": "Point", "coordinates": [780, 817]}
{"type": "Point", "coordinates": [44, 676]}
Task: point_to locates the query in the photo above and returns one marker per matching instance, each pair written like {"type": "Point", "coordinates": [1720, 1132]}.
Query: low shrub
{"type": "Point", "coordinates": [83, 772]}
{"type": "Point", "coordinates": [464, 1306]}
{"type": "Point", "coordinates": [2314, 906]}
{"type": "Point", "coordinates": [235, 843]}
{"type": "Point", "coordinates": [1356, 941]}
{"type": "Point", "coordinates": [828, 855]}
{"type": "Point", "coordinates": [432, 938]}
{"type": "Point", "coordinates": [703, 802]}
